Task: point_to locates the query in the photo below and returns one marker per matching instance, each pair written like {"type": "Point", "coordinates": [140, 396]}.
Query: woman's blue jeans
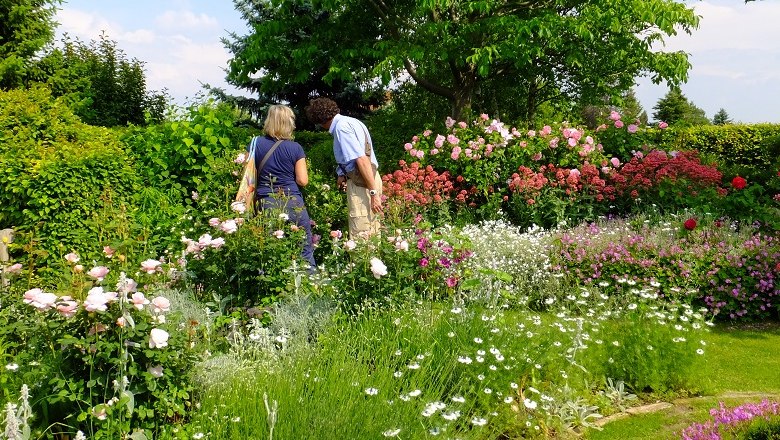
{"type": "Point", "coordinates": [295, 208]}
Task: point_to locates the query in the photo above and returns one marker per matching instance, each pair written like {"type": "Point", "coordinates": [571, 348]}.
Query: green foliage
{"type": "Point", "coordinates": [675, 109]}
{"type": "Point", "coordinates": [27, 27]}
{"type": "Point", "coordinates": [753, 145]}
{"type": "Point", "coordinates": [104, 87]}
{"type": "Point", "coordinates": [721, 118]}
{"type": "Point", "coordinates": [96, 370]}
{"type": "Point", "coordinates": [189, 152]}
{"type": "Point", "coordinates": [58, 174]}
{"type": "Point", "coordinates": [242, 262]}
{"type": "Point", "coordinates": [459, 49]}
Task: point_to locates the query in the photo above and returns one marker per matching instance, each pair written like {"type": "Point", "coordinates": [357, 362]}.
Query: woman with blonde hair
{"type": "Point", "coordinates": [283, 173]}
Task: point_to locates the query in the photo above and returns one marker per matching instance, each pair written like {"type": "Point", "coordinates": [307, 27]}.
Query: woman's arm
{"type": "Point", "coordinates": [301, 173]}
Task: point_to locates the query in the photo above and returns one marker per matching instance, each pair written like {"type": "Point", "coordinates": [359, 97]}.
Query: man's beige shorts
{"type": "Point", "coordinates": [362, 221]}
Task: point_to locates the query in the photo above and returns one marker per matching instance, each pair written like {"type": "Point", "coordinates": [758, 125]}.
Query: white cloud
{"type": "Point", "coordinates": [186, 20]}
{"type": "Point", "coordinates": [84, 25]}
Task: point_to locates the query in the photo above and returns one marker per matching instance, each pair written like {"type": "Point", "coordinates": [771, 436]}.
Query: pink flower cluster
{"type": "Point", "coordinates": [729, 420]}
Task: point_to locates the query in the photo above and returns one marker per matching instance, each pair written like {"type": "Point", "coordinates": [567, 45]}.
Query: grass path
{"type": "Point", "coordinates": [742, 365]}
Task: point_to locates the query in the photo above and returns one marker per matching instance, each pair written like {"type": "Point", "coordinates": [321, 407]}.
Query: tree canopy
{"type": "Point", "coordinates": [26, 27]}
{"type": "Point", "coordinates": [675, 108]}
{"type": "Point", "coordinates": [537, 50]}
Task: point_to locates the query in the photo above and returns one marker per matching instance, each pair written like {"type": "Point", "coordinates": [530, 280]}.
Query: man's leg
{"type": "Point", "coordinates": [362, 221]}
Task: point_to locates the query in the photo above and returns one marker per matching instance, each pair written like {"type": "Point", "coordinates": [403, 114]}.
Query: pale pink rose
{"type": "Point", "coordinates": [439, 141]}
{"type": "Point", "coordinates": [217, 243]}
{"type": "Point", "coordinates": [150, 266]}
{"type": "Point", "coordinates": [403, 245]}
{"type": "Point", "coordinates": [615, 162]}
{"type": "Point", "coordinates": [413, 152]}
{"type": "Point", "coordinates": [239, 221]}
{"type": "Point", "coordinates": [415, 138]}
{"type": "Point", "coordinates": [108, 251]}
{"type": "Point", "coordinates": [98, 272]}
{"type": "Point", "coordinates": [378, 268]}
{"type": "Point", "coordinates": [619, 124]}
{"type": "Point", "coordinates": [434, 152]}
{"type": "Point", "coordinates": [537, 157]}
{"type": "Point", "coordinates": [484, 116]}
{"type": "Point", "coordinates": [546, 130]}
{"type": "Point", "coordinates": [420, 154]}
{"type": "Point", "coordinates": [663, 125]}
{"type": "Point", "coordinates": [462, 124]}
{"type": "Point", "coordinates": [72, 257]}
{"type": "Point", "coordinates": [572, 142]}
{"type": "Point", "coordinates": [156, 372]}
{"type": "Point", "coordinates": [449, 122]}
{"type": "Point", "coordinates": [335, 234]}
{"type": "Point", "coordinates": [554, 142]}
{"type": "Point", "coordinates": [453, 140]}
{"type": "Point", "coordinates": [239, 207]}
{"type": "Point", "coordinates": [205, 240]}
{"type": "Point", "coordinates": [574, 172]}
{"type": "Point", "coordinates": [121, 322]}
{"type": "Point", "coordinates": [427, 133]}
{"type": "Point", "coordinates": [229, 226]}
{"type": "Point", "coordinates": [632, 128]}
{"type": "Point", "coordinates": [214, 222]}
{"type": "Point", "coordinates": [158, 338]}
{"type": "Point", "coordinates": [408, 146]}
{"type": "Point", "coordinates": [78, 268]}
{"type": "Point", "coordinates": [14, 268]}
{"type": "Point", "coordinates": [39, 299]}
{"type": "Point", "coordinates": [161, 304]}
{"type": "Point", "coordinates": [455, 153]}
{"type": "Point", "coordinates": [279, 233]}
{"type": "Point", "coordinates": [96, 301]}
{"type": "Point", "coordinates": [67, 307]}
{"type": "Point", "coordinates": [615, 116]}
{"type": "Point", "coordinates": [589, 140]}
{"type": "Point", "coordinates": [241, 158]}
{"type": "Point", "coordinates": [139, 300]}
{"type": "Point", "coordinates": [531, 133]}
{"type": "Point", "coordinates": [350, 245]}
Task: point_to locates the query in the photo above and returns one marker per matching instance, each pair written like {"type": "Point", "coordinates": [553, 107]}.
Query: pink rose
{"type": "Point", "coordinates": [98, 272]}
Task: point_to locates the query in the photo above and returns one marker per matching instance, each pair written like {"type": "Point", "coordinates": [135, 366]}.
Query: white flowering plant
{"type": "Point", "coordinates": [106, 361]}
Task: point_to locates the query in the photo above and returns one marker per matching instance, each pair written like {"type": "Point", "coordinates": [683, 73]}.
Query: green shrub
{"type": "Point", "coordinates": [58, 174]}
{"type": "Point", "coordinates": [754, 145]}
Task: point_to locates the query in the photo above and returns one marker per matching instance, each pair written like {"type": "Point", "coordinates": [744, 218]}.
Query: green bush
{"type": "Point", "coordinates": [58, 175]}
{"type": "Point", "coordinates": [753, 145]}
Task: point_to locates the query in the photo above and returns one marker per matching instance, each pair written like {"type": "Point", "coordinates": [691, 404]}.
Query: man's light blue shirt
{"type": "Point", "coordinates": [349, 142]}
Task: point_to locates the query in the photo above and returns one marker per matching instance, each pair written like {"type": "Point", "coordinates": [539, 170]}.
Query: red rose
{"type": "Point", "coordinates": [690, 224]}
{"type": "Point", "coordinates": [739, 182]}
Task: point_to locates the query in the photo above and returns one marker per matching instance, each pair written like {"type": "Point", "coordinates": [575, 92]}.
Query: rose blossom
{"type": "Point", "coordinates": [139, 300]}
{"type": "Point", "coordinates": [229, 226]}
{"type": "Point", "coordinates": [72, 257]}
{"type": "Point", "coordinates": [378, 268]}
{"type": "Point", "coordinates": [158, 338]}
{"type": "Point", "coordinates": [350, 245]}
{"type": "Point", "coordinates": [161, 304]}
{"type": "Point", "coordinates": [150, 266]}
{"type": "Point", "coordinates": [739, 182]}
{"type": "Point", "coordinates": [690, 224]}
{"type": "Point", "coordinates": [14, 268]}
{"type": "Point", "coordinates": [98, 272]}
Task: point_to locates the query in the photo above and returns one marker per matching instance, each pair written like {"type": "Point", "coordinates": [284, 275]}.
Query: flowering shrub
{"type": "Point", "coordinates": [244, 261]}
{"type": "Point", "coordinates": [732, 274]}
{"type": "Point", "coordinates": [737, 422]}
{"type": "Point", "coordinates": [416, 190]}
{"type": "Point", "coordinates": [106, 362]}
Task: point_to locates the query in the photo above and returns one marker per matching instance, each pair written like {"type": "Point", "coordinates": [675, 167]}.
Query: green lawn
{"type": "Point", "coordinates": [742, 365]}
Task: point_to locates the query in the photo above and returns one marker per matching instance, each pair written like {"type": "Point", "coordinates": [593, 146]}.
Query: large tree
{"type": "Point", "coordinates": [100, 83]}
{"type": "Point", "coordinates": [541, 50]}
{"type": "Point", "coordinates": [26, 27]}
{"type": "Point", "coordinates": [675, 108]}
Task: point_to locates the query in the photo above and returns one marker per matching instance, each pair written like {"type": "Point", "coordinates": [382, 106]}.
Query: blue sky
{"type": "Point", "coordinates": [735, 52]}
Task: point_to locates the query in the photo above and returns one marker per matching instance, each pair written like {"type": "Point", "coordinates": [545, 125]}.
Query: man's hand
{"type": "Point", "coordinates": [376, 203]}
{"type": "Point", "coordinates": [341, 183]}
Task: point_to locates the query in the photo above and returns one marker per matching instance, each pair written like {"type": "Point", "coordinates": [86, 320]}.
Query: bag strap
{"type": "Point", "coordinates": [368, 145]}
{"type": "Point", "coordinates": [267, 155]}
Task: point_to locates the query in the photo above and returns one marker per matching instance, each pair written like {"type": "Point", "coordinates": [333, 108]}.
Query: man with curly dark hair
{"type": "Point", "coordinates": [357, 165]}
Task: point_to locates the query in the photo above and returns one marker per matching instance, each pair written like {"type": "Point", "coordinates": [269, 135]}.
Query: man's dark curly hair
{"type": "Point", "coordinates": [321, 110]}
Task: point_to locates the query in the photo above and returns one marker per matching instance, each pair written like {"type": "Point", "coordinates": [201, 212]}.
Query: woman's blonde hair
{"type": "Point", "coordinates": [280, 122]}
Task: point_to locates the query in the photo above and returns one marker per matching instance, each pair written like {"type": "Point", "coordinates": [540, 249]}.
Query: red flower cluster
{"type": "Point", "coordinates": [645, 172]}
{"type": "Point", "coordinates": [739, 182]}
{"type": "Point", "coordinates": [418, 185]}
